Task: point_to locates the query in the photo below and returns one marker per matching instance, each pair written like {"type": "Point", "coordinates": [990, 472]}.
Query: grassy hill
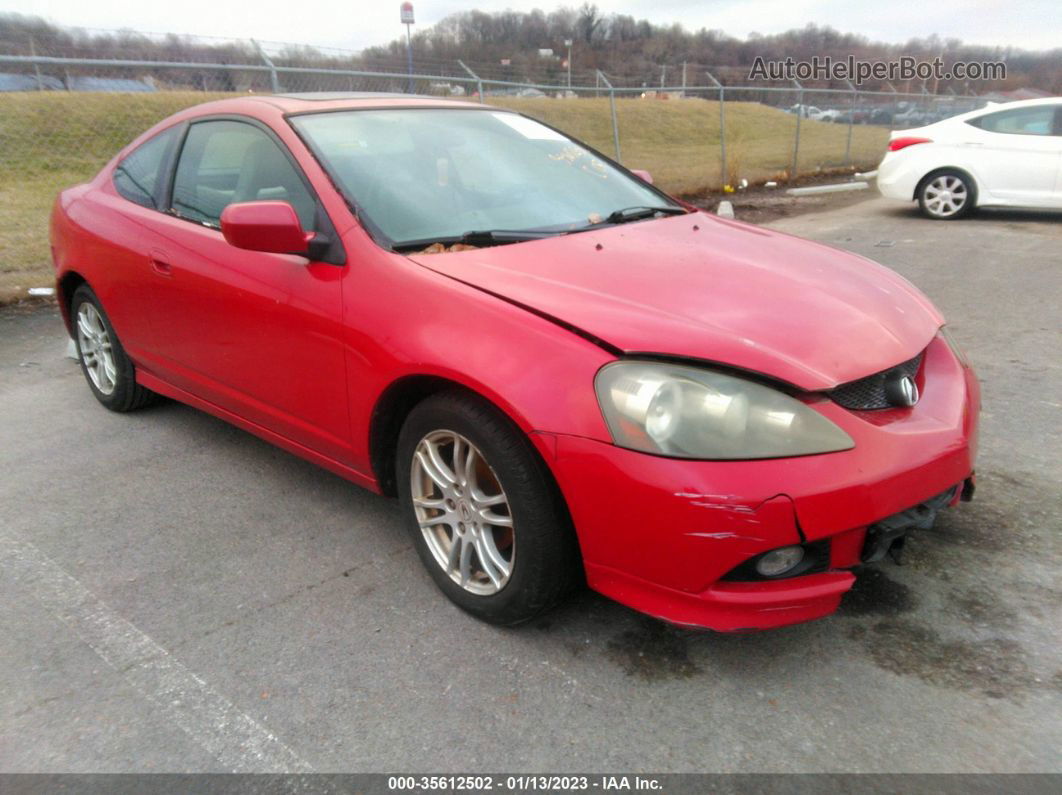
{"type": "Point", "coordinates": [678, 140]}
{"type": "Point", "coordinates": [50, 140]}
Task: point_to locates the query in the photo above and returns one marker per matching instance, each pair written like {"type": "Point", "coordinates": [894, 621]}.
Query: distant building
{"type": "Point", "coordinates": [112, 84]}
{"type": "Point", "coordinates": [13, 82]}
{"type": "Point", "coordinates": [30, 82]}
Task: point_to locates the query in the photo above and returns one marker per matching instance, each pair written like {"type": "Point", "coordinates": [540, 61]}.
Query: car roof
{"type": "Point", "coordinates": [338, 100]}
{"type": "Point", "coordinates": [1022, 103]}
{"type": "Point", "coordinates": [992, 107]}
{"type": "Point", "coordinates": [272, 108]}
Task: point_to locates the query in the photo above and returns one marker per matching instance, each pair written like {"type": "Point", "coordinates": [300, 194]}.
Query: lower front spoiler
{"type": "Point", "coordinates": [728, 606]}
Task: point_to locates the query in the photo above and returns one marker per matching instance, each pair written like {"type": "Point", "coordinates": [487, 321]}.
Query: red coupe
{"type": "Point", "coordinates": [560, 371]}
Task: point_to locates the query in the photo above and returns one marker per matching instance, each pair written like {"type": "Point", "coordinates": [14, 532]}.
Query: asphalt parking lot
{"type": "Point", "coordinates": [176, 595]}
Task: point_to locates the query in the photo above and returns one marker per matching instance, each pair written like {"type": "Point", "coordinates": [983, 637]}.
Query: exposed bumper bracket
{"type": "Point", "coordinates": [889, 532]}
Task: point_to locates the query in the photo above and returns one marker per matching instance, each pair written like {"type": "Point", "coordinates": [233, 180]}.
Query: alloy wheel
{"type": "Point", "coordinates": [463, 512]}
{"type": "Point", "coordinates": [97, 354]}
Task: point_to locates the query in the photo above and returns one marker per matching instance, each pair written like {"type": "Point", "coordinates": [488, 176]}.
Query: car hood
{"type": "Point", "coordinates": [707, 288]}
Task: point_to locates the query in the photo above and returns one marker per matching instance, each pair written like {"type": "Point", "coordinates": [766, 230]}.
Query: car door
{"type": "Point", "coordinates": [1016, 154]}
{"type": "Point", "coordinates": [127, 208]}
{"type": "Point", "coordinates": [257, 334]}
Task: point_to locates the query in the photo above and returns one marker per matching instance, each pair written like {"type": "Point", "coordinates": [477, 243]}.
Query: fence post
{"type": "Point", "coordinates": [796, 138]}
{"type": "Point", "coordinates": [851, 121]}
{"type": "Point", "coordinates": [36, 66]}
{"type": "Point", "coordinates": [722, 130]}
{"type": "Point", "coordinates": [479, 83]}
{"type": "Point", "coordinates": [274, 82]}
{"type": "Point", "coordinates": [612, 105]}
{"type": "Point", "coordinates": [895, 101]}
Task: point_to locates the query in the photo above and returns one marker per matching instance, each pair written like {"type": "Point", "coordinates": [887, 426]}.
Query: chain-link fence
{"type": "Point", "coordinates": [63, 115]}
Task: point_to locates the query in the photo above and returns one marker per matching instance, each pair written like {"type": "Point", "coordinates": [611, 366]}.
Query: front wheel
{"type": "Point", "coordinates": [946, 195]}
{"type": "Point", "coordinates": [482, 510]}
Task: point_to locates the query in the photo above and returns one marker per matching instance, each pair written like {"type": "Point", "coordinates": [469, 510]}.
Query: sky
{"type": "Point", "coordinates": [355, 24]}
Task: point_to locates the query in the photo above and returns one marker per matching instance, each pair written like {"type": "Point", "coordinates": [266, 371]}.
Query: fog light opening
{"type": "Point", "coordinates": [778, 562]}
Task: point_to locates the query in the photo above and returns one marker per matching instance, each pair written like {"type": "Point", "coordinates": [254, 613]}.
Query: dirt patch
{"type": "Point", "coordinates": [982, 608]}
{"type": "Point", "coordinates": [15, 300]}
{"type": "Point", "coordinates": [874, 593]}
{"type": "Point", "coordinates": [995, 667]}
{"type": "Point", "coordinates": [760, 204]}
{"type": "Point", "coordinates": [653, 651]}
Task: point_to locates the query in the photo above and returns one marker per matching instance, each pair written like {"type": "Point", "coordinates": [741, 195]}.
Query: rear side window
{"type": "Point", "coordinates": [223, 162]}
{"type": "Point", "coordinates": [1037, 120]}
{"type": "Point", "coordinates": [138, 175]}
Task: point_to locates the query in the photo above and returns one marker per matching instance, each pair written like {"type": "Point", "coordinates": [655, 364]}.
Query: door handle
{"type": "Point", "coordinates": [161, 267]}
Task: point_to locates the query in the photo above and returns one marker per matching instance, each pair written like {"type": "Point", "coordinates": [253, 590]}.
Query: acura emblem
{"type": "Point", "coordinates": [901, 391]}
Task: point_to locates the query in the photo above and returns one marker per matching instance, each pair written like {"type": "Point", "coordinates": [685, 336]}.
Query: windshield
{"type": "Point", "coordinates": [423, 175]}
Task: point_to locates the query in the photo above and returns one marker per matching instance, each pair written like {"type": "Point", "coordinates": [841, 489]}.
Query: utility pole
{"type": "Point", "coordinates": [568, 44]}
{"type": "Point", "coordinates": [406, 10]}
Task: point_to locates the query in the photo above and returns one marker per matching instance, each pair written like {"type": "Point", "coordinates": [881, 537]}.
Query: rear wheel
{"type": "Point", "coordinates": [482, 510]}
{"type": "Point", "coordinates": [108, 370]}
{"type": "Point", "coordinates": [946, 195]}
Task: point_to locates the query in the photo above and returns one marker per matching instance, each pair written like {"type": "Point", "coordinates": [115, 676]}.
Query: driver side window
{"type": "Point", "coordinates": [224, 162]}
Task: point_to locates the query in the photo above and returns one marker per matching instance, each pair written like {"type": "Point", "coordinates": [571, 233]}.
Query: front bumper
{"type": "Point", "coordinates": [658, 534]}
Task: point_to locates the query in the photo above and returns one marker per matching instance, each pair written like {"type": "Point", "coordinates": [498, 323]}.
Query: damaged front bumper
{"type": "Point", "coordinates": [661, 535]}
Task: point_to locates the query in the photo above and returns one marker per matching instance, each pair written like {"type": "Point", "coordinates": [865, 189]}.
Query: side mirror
{"type": "Point", "coordinates": [643, 175]}
{"type": "Point", "coordinates": [270, 226]}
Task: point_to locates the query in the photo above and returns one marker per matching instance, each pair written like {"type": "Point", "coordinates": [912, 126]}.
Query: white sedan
{"type": "Point", "coordinates": [1006, 155]}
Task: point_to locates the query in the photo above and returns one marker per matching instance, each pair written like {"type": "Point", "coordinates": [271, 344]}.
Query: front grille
{"type": "Point", "coordinates": [869, 393]}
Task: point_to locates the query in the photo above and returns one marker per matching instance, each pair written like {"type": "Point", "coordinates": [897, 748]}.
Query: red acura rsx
{"type": "Point", "coordinates": [559, 370]}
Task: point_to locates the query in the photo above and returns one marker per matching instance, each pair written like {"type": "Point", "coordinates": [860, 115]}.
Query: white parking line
{"type": "Point", "coordinates": [232, 737]}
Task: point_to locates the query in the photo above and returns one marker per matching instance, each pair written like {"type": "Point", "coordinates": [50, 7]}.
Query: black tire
{"type": "Point", "coordinates": [126, 394]}
{"type": "Point", "coordinates": [942, 212]}
{"type": "Point", "coordinates": [546, 563]}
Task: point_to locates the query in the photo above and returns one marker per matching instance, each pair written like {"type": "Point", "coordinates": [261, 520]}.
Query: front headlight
{"type": "Point", "coordinates": [687, 412]}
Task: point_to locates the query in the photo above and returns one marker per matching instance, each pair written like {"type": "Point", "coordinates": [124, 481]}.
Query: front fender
{"type": "Point", "coordinates": [538, 373]}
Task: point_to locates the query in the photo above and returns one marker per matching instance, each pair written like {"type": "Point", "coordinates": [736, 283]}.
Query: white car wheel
{"type": "Point", "coordinates": [946, 195]}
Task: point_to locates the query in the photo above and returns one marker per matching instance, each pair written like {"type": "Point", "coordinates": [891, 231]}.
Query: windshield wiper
{"type": "Point", "coordinates": [639, 212]}
{"type": "Point", "coordinates": [485, 237]}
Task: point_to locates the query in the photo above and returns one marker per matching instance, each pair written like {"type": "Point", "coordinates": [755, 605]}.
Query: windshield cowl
{"type": "Point", "coordinates": [499, 237]}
